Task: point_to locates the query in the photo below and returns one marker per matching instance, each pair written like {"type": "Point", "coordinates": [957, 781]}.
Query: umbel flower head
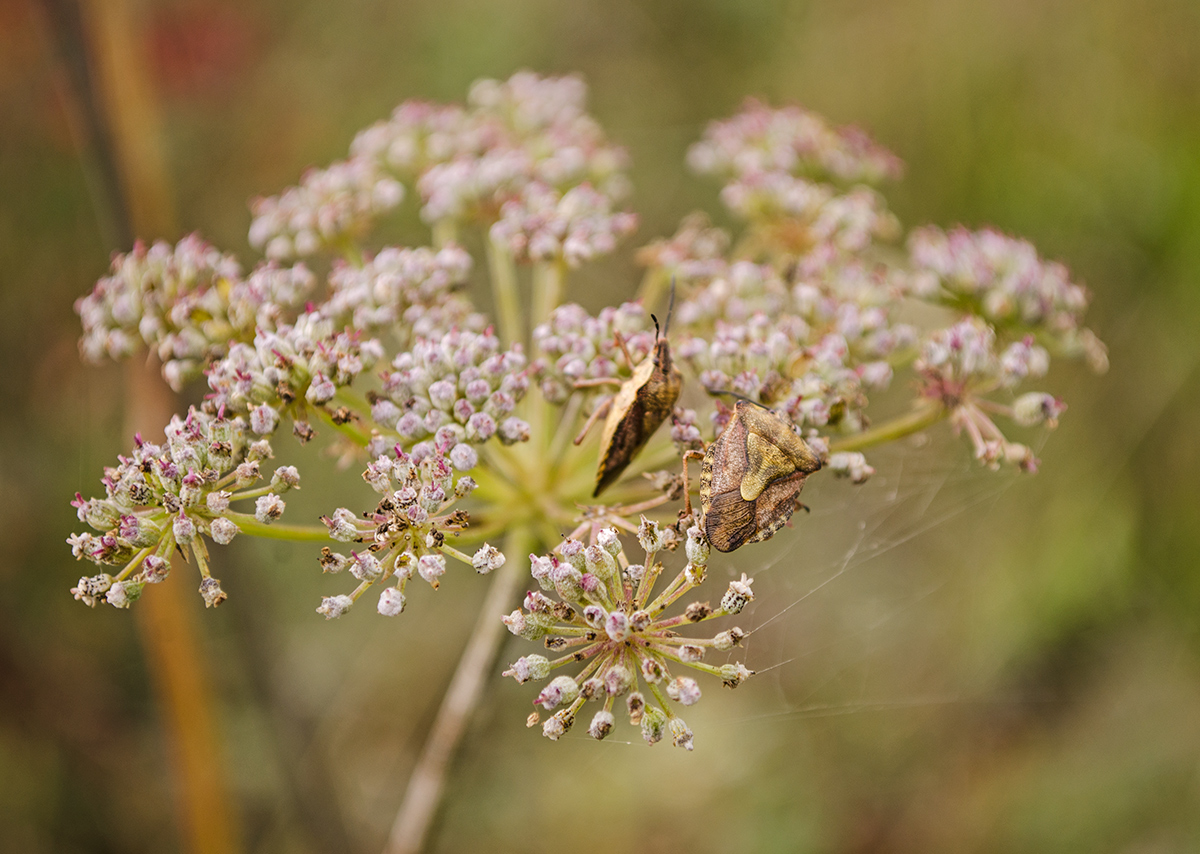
{"type": "Point", "coordinates": [473, 432]}
{"type": "Point", "coordinates": [606, 614]}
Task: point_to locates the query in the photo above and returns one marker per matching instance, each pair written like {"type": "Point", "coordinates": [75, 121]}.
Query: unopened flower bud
{"type": "Point", "coordinates": [567, 581]}
{"type": "Point", "coordinates": [851, 464]}
{"type": "Point", "coordinates": [617, 680]}
{"type": "Point", "coordinates": [529, 667]}
{"type": "Point", "coordinates": [285, 478]}
{"type": "Point", "coordinates": [217, 502]}
{"type": "Point", "coordinates": [608, 540]}
{"type": "Point", "coordinates": [559, 690]}
{"type": "Point", "coordinates": [617, 626]}
{"type": "Point", "coordinates": [366, 567]}
{"type": "Point", "coordinates": [697, 547]}
{"type": "Point", "coordinates": [540, 567]}
{"type": "Point", "coordinates": [342, 525]}
{"type": "Point", "coordinates": [442, 394]}
{"type": "Point", "coordinates": [681, 736]}
{"type": "Point", "coordinates": [558, 724]}
{"type": "Point", "coordinates": [487, 559]}
{"type": "Point", "coordinates": [264, 420]}
{"type": "Point", "coordinates": [684, 690]}
{"type": "Point", "coordinates": [211, 592]}
{"type": "Point", "coordinates": [737, 596]}
{"type": "Point", "coordinates": [223, 530]}
{"type": "Point", "coordinates": [654, 724]}
{"type": "Point", "coordinates": [572, 552]}
{"type": "Point", "coordinates": [1035, 407]}
{"type": "Point", "coordinates": [155, 569]}
{"type": "Point", "coordinates": [335, 606]}
{"type": "Point", "coordinates": [431, 568]}
{"type": "Point", "coordinates": [432, 497]}
{"type": "Point", "coordinates": [463, 457]}
{"type": "Point", "coordinates": [183, 528]}
{"type": "Point", "coordinates": [652, 670]}
{"type": "Point", "coordinates": [729, 639]}
{"type": "Point", "coordinates": [595, 616]}
{"type": "Point", "coordinates": [601, 725]}
{"type": "Point", "coordinates": [735, 674]}
{"type": "Point", "coordinates": [513, 430]}
{"type": "Point", "coordinates": [650, 536]}
{"type": "Point", "coordinates": [268, 508]}
{"type": "Point", "coordinates": [320, 390]}
{"type": "Point", "coordinates": [480, 427]}
{"type": "Point", "coordinates": [246, 474]}
{"type": "Point", "coordinates": [391, 602]}
{"type": "Point", "coordinates": [122, 594]}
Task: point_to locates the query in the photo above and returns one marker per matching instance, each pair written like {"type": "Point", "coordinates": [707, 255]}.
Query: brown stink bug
{"type": "Point", "coordinates": [639, 407]}
{"type": "Point", "coordinates": [751, 477]}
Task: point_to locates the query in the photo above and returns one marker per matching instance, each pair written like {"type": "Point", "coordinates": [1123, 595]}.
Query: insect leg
{"type": "Point", "coordinates": [687, 492]}
{"type": "Point", "coordinates": [598, 413]}
{"type": "Point", "coordinates": [617, 337]}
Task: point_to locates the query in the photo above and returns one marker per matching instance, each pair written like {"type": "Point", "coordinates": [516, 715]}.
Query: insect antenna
{"type": "Point", "coordinates": [738, 396]}
{"type": "Point", "coordinates": [666, 327]}
{"type": "Point", "coordinates": [670, 309]}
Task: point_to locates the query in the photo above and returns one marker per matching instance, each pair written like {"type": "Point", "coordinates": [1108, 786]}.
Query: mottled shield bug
{"type": "Point", "coordinates": [751, 477]}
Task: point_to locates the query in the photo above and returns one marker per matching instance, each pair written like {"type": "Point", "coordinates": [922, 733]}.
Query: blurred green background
{"type": "Point", "coordinates": [1003, 664]}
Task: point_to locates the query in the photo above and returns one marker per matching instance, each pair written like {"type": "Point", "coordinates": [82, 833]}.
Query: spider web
{"type": "Point", "coordinates": [865, 576]}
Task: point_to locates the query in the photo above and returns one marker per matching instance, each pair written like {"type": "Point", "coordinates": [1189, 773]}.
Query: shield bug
{"type": "Point", "coordinates": [638, 409]}
{"type": "Point", "coordinates": [751, 477]}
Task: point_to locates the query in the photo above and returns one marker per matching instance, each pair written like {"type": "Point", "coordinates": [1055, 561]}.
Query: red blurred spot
{"type": "Point", "coordinates": [200, 51]}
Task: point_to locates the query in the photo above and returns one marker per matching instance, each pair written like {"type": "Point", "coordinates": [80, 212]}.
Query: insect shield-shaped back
{"type": "Point", "coordinates": [639, 408]}
{"type": "Point", "coordinates": [751, 477]}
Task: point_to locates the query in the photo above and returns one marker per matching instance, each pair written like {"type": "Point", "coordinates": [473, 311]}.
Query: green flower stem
{"type": "Point", "coordinates": [549, 282]}
{"type": "Point", "coordinates": [351, 398]}
{"type": "Point", "coordinates": [924, 415]}
{"type": "Point", "coordinates": [654, 284]}
{"type": "Point", "coordinates": [569, 415]}
{"type": "Point", "coordinates": [445, 231]}
{"type": "Point", "coordinates": [137, 559]}
{"type": "Point", "coordinates": [251, 493]}
{"type": "Point", "coordinates": [646, 586]}
{"type": "Point", "coordinates": [349, 250]}
{"type": "Point", "coordinates": [250, 526]}
{"type": "Point", "coordinates": [503, 272]}
{"type": "Point", "coordinates": [679, 585]}
{"type": "Point", "coordinates": [578, 634]}
{"type": "Point", "coordinates": [349, 430]}
{"type": "Point", "coordinates": [456, 554]}
{"type": "Point", "coordinates": [661, 699]}
{"type": "Point", "coordinates": [363, 587]}
{"type": "Point", "coordinates": [200, 550]}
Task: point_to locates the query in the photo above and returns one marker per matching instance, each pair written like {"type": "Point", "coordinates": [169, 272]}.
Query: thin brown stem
{"type": "Point", "coordinates": [424, 793]}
